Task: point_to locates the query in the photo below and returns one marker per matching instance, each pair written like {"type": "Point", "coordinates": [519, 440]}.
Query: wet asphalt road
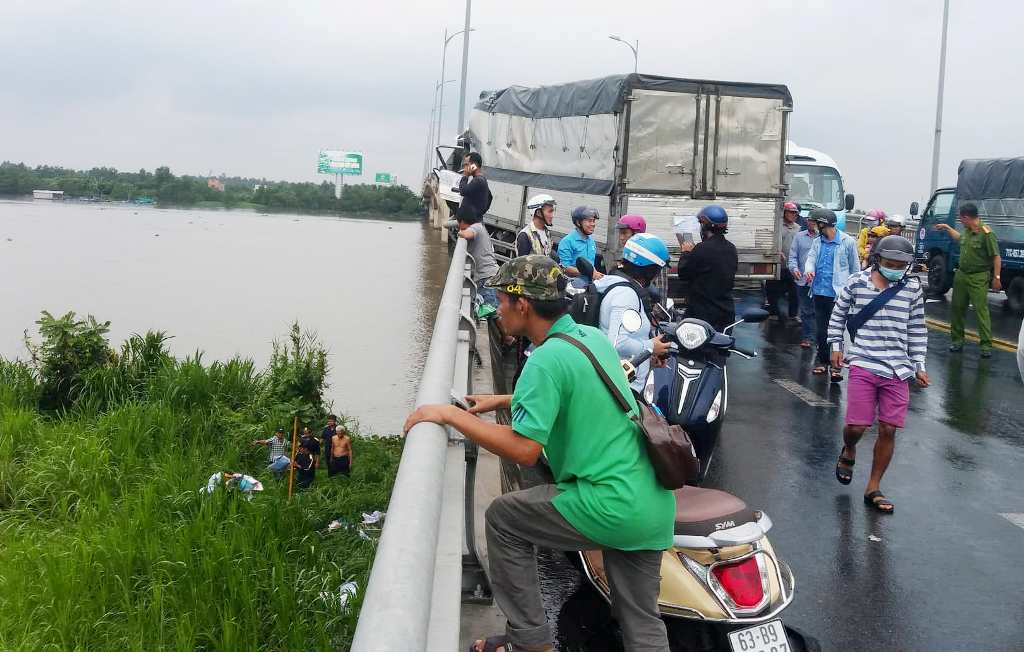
{"type": "Point", "coordinates": [947, 573]}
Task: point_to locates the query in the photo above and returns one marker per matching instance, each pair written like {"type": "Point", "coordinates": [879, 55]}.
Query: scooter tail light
{"type": "Point", "coordinates": [744, 582]}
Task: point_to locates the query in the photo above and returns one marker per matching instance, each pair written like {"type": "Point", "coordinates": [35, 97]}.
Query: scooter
{"type": "Point", "coordinates": [722, 586]}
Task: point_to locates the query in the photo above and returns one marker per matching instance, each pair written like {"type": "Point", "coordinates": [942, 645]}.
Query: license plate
{"type": "Point", "coordinates": [769, 637]}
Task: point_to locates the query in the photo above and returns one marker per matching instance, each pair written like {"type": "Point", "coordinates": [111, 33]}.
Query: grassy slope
{"type": "Point", "coordinates": [106, 544]}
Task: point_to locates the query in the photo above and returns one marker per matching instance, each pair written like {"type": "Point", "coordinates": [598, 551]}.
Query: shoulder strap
{"type": "Point", "coordinates": [633, 286]}
{"type": "Point", "coordinates": [619, 398]}
{"type": "Point", "coordinates": [854, 323]}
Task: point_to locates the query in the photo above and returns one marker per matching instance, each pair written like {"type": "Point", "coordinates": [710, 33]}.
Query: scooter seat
{"type": "Point", "coordinates": [700, 512]}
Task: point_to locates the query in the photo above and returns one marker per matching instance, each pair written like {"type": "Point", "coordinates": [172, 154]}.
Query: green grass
{"type": "Point", "coordinates": [106, 543]}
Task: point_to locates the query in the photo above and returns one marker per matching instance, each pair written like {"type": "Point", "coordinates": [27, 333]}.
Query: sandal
{"type": "Point", "coordinates": [844, 469]}
{"type": "Point", "coordinates": [805, 344]}
{"type": "Point", "coordinates": [819, 370]}
{"type": "Point", "coordinates": [879, 502]}
{"type": "Point", "coordinates": [492, 643]}
{"type": "Point", "coordinates": [835, 376]}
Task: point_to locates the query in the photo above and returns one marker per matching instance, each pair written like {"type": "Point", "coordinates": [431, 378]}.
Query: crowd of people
{"type": "Point", "coordinates": [334, 447]}
{"type": "Point", "coordinates": [855, 299]}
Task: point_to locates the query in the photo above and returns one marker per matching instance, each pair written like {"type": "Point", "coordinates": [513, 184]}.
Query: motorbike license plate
{"type": "Point", "coordinates": [768, 637]}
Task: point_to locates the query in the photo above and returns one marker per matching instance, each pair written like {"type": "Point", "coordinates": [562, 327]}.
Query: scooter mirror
{"type": "Point", "coordinates": [755, 315]}
{"type": "Point", "coordinates": [632, 321]}
{"type": "Point", "coordinates": [914, 208]}
{"type": "Point", "coordinates": [670, 304]}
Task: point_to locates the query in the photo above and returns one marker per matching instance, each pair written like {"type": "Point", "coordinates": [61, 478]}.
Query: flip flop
{"type": "Point", "coordinates": [819, 370]}
{"type": "Point", "coordinates": [844, 469]}
{"type": "Point", "coordinates": [492, 643]}
{"type": "Point", "coordinates": [805, 344]}
{"type": "Point", "coordinates": [879, 502]}
{"type": "Point", "coordinates": [836, 377]}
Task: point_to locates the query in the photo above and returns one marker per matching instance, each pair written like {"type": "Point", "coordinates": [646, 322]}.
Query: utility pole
{"type": "Point", "coordinates": [465, 67]}
{"type": "Point", "coordinates": [938, 108]}
{"type": "Point", "coordinates": [444, 52]}
{"type": "Point", "coordinates": [634, 48]}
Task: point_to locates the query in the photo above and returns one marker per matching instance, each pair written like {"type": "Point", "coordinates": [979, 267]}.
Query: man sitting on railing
{"type": "Point", "coordinates": [606, 494]}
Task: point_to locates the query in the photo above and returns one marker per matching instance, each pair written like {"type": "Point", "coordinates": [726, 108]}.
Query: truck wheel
{"type": "Point", "coordinates": [1015, 295]}
{"type": "Point", "coordinates": [938, 276]}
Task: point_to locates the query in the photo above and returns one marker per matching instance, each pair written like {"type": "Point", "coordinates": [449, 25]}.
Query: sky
{"type": "Point", "coordinates": [254, 88]}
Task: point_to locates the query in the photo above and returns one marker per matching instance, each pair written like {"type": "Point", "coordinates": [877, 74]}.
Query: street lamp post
{"type": "Point", "coordinates": [634, 48]}
{"type": "Point", "coordinates": [444, 52]}
{"type": "Point", "coordinates": [434, 108]}
{"type": "Point", "coordinates": [938, 105]}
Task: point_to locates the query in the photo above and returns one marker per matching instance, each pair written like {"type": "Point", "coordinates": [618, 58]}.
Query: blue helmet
{"type": "Point", "coordinates": [714, 213]}
{"type": "Point", "coordinates": [644, 249]}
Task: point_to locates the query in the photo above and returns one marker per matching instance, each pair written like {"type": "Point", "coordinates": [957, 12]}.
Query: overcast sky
{"type": "Point", "coordinates": [255, 88]}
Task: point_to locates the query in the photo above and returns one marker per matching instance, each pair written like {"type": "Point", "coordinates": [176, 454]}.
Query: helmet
{"type": "Point", "coordinates": [634, 223]}
{"type": "Point", "coordinates": [895, 247]}
{"type": "Point", "coordinates": [644, 249]}
{"type": "Point", "coordinates": [714, 214]}
{"type": "Point", "coordinates": [896, 220]}
{"type": "Point", "coordinates": [874, 217]}
{"type": "Point", "coordinates": [791, 206]}
{"type": "Point", "coordinates": [823, 216]}
{"type": "Point", "coordinates": [582, 213]}
{"type": "Point", "coordinates": [540, 201]}
{"type": "Point", "coordinates": [878, 231]}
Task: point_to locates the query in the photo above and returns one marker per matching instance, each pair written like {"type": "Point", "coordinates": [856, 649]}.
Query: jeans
{"type": "Point", "coordinates": [279, 464]}
{"type": "Point", "coordinates": [488, 296]}
{"type": "Point", "coordinates": [822, 313]}
{"type": "Point", "coordinates": [806, 313]}
{"type": "Point", "coordinates": [775, 290]}
{"type": "Point", "coordinates": [520, 521]}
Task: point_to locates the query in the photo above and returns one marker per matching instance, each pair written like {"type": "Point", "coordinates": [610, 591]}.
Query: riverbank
{"type": "Point", "coordinates": [106, 541]}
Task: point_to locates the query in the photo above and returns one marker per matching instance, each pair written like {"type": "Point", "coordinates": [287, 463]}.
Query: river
{"type": "Point", "coordinates": [230, 283]}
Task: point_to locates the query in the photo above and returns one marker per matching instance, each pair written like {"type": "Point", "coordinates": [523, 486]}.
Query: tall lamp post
{"type": "Point", "coordinates": [430, 128]}
{"type": "Point", "coordinates": [444, 52]}
{"type": "Point", "coordinates": [938, 105]}
{"type": "Point", "coordinates": [634, 48]}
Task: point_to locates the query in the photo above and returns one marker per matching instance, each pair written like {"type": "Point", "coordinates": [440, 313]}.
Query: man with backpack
{"type": "Point", "coordinates": [605, 495]}
{"type": "Point", "coordinates": [883, 309]}
{"type": "Point", "coordinates": [643, 257]}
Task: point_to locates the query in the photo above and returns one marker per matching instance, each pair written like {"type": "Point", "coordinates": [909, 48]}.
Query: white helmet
{"type": "Point", "coordinates": [896, 220]}
{"type": "Point", "coordinates": [540, 201]}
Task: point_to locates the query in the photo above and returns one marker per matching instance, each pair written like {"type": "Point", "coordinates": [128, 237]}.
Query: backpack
{"type": "Point", "coordinates": [585, 307]}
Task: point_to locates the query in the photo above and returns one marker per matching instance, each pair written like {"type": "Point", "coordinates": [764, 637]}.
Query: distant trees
{"type": "Point", "coordinates": [166, 189]}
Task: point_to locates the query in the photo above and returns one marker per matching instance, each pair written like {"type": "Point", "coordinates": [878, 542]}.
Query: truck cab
{"type": "Point", "coordinates": [936, 248]}
{"type": "Point", "coordinates": [814, 181]}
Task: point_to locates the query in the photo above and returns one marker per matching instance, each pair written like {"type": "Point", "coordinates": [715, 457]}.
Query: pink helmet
{"type": "Point", "coordinates": [877, 214]}
{"type": "Point", "coordinates": [634, 223]}
{"type": "Point", "coordinates": [791, 206]}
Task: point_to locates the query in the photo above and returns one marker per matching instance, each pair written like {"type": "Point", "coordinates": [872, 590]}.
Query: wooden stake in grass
{"type": "Point", "coordinates": [291, 471]}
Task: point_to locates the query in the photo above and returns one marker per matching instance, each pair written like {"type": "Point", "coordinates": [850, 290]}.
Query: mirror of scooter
{"type": "Point", "coordinates": [914, 208]}
{"type": "Point", "coordinates": [632, 321]}
{"type": "Point", "coordinates": [755, 315]}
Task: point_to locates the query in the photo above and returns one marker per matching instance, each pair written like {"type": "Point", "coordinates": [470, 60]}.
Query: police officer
{"type": "Point", "coordinates": [709, 269]}
{"type": "Point", "coordinates": [979, 257]}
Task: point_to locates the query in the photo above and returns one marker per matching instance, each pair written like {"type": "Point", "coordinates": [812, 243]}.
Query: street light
{"type": "Point", "coordinates": [636, 57]}
{"type": "Point", "coordinates": [936, 146]}
{"type": "Point", "coordinates": [444, 53]}
{"type": "Point", "coordinates": [430, 128]}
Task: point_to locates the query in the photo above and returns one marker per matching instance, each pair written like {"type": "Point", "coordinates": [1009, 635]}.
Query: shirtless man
{"type": "Point", "coordinates": [340, 460]}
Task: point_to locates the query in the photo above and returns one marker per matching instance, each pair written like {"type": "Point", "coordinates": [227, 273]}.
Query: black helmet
{"type": "Point", "coordinates": [894, 247]}
{"type": "Point", "coordinates": [582, 213]}
{"type": "Point", "coordinates": [823, 216]}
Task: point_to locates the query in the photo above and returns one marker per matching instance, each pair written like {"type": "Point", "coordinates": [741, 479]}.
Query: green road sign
{"type": "Point", "coordinates": [334, 161]}
{"type": "Point", "coordinates": [382, 177]}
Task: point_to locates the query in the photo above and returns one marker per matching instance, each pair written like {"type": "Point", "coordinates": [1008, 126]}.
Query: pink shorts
{"type": "Point", "coordinates": [865, 391]}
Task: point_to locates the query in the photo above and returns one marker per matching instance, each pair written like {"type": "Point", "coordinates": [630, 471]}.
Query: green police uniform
{"type": "Point", "coordinates": [971, 284]}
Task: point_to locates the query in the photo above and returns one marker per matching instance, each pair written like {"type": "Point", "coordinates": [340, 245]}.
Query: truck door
{"type": "Point", "coordinates": [747, 146]}
{"type": "Point", "coordinates": [662, 142]}
{"type": "Point", "coordinates": [930, 241]}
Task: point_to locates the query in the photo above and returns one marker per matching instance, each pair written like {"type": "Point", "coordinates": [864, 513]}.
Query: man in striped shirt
{"type": "Point", "coordinates": [887, 349]}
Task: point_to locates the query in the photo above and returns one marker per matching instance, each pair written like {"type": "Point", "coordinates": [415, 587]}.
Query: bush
{"type": "Point", "coordinates": [70, 348]}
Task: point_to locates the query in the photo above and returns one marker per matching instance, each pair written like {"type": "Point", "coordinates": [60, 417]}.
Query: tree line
{"type": "Point", "coordinates": [166, 189]}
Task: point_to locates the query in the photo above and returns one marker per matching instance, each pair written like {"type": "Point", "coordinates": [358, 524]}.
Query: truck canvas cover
{"type": "Point", "coordinates": [564, 137]}
{"type": "Point", "coordinates": [996, 185]}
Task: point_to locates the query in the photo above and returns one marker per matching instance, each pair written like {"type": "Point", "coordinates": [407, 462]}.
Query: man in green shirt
{"type": "Point", "coordinates": [979, 258]}
{"type": "Point", "coordinates": [606, 494]}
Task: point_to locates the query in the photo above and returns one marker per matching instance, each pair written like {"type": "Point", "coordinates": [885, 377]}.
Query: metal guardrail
{"type": "Point", "coordinates": [420, 573]}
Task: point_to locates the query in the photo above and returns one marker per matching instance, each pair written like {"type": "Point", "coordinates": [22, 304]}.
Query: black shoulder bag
{"type": "Point", "coordinates": [668, 446]}
{"type": "Point", "coordinates": [854, 323]}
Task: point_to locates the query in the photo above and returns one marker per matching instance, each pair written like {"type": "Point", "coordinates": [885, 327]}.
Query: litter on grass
{"type": "Point", "coordinates": [346, 592]}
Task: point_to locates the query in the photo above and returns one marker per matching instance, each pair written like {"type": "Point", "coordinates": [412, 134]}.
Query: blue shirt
{"type": "Point", "coordinates": [822, 285]}
{"type": "Point", "coordinates": [575, 245]}
{"type": "Point", "coordinates": [798, 253]}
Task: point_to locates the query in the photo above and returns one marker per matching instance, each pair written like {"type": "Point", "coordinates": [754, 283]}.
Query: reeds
{"type": "Point", "coordinates": [106, 543]}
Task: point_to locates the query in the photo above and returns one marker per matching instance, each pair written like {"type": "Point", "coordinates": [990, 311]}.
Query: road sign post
{"type": "Point", "coordinates": [383, 178]}
{"type": "Point", "coordinates": [340, 163]}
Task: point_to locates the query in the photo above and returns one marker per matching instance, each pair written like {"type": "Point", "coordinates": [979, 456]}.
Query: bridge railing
{"type": "Point", "coordinates": [426, 561]}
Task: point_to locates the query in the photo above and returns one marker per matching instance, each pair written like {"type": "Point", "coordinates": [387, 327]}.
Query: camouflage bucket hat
{"type": "Point", "coordinates": [533, 277]}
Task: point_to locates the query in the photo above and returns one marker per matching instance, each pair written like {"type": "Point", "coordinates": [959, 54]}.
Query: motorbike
{"type": "Point", "coordinates": [723, 587]}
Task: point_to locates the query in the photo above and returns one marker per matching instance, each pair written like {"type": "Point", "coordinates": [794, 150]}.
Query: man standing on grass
{"type": "Point", "coordinates": [328, 432]}
{"type": "Point", "coordinates": [979, 261]}
{"type": "Point", "coordinates": [277, 461]}
{"type": "Point", "coordinates": [883, 309]}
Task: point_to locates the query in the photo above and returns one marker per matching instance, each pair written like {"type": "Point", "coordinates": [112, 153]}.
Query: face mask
{"type": "Point", "coordinates": [892, 274]}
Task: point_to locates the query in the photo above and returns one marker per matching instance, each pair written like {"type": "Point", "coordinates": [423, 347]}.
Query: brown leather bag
{"type": "Point", "coordinates": [668, 446]}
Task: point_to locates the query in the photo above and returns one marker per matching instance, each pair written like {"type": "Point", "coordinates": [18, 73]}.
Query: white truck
{"type": "Point", "coordinates": [661, 147]}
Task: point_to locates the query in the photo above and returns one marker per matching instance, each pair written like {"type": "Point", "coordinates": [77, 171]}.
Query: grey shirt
{"type": "Point", "coordinates": [482, 251]}
{"type": "Point", "coordinates": [786, 235]}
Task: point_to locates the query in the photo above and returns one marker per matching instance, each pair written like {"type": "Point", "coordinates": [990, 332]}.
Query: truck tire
{"type": "Point", "coordinates": [1015, 295]}
{"type": "Point", "coordinates": [939, 278]}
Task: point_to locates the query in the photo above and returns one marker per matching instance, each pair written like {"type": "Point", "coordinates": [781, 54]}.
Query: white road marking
{"type": "Point", "coordinates": [1016, 519]}
{"type": "Point", "coordinates": [802, 393]}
